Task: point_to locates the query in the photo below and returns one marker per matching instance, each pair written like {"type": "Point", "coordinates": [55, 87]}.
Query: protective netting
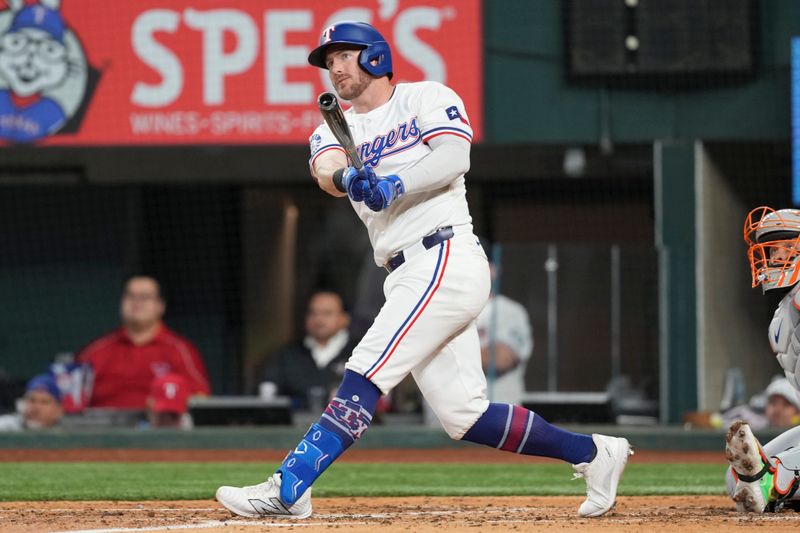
{"type": "Point", "coordinates": [562, 189]}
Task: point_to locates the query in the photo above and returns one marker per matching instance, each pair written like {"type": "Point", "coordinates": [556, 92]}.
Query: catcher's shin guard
{"type": "Point", "coordinates": [785, 478]}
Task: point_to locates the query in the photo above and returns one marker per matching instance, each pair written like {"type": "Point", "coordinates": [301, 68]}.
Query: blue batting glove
{"type": "Point", "coordinates": [383, 192]}
{"type": "Point", "coordinates": [357, 182]}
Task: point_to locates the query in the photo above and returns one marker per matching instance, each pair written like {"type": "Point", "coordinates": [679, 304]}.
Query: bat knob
{"type": "Point", "coordinates": [326, 100]}
{"type": "Point", "coordinates": [338, 176]}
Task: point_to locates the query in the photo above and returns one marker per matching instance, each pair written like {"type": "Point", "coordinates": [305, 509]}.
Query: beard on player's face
{"type": "Point", "coordinates": [351, 86]}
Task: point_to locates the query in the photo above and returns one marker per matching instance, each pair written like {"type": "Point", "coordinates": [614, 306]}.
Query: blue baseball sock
{"type": "Point", "coordinates": [344, 420]}
{"type": "Point", "coordinates": [516, 429]}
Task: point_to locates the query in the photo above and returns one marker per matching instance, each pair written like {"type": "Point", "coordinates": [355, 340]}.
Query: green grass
{"type": "Point", "coordinates": [176, 481]}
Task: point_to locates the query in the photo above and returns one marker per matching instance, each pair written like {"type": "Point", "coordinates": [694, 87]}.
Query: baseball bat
{"type": "Point", "coordinates": [334, 118]}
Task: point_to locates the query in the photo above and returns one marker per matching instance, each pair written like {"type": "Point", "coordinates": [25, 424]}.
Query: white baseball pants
{"type": "Point", "coordinates": [427, 327]}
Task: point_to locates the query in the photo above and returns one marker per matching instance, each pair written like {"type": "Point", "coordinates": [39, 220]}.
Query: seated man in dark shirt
{"type": "Point", "coordinates": [308, 370]}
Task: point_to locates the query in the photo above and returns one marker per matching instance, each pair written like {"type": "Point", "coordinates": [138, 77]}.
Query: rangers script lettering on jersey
{"type": "Point", "coordinates": [391, 139]}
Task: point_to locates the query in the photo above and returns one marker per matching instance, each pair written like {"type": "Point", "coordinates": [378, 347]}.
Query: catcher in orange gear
{"type": "Point", "coordinates": [763, 479]}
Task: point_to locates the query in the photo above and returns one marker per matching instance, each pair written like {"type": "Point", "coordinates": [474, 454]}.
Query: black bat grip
{"type": "Point", "coordinates": [338, 175]}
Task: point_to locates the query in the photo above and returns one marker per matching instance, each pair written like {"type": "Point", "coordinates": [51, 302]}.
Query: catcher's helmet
{"type": "Point", "coordinates": [773, 239]}
{"type": "Point", "coordinates": [362, 35]}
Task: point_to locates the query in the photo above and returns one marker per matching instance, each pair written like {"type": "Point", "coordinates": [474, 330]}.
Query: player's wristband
{"type": "Point", "coordinates": [399, 186]}
{"type": "Point", "coordinates": [338, 175]}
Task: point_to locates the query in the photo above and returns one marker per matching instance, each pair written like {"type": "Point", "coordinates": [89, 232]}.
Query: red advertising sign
{"type": "Point", "coordinates": [84, 72]}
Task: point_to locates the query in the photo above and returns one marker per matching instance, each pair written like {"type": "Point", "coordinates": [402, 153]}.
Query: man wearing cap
{"type": "Point", "coordinates": [783, 404]}
{"type": "Point", "coordinates": [777, 406]}
{"type": "Point", "coordinates": [41, 406]}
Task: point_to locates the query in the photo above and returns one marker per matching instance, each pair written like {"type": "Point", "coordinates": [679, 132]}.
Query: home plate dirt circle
{"type": "Point", "coordinates": [418, 514]}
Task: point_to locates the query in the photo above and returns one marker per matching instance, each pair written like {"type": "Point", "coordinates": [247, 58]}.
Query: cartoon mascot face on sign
{"type": "Point", "coordinates": [43, 71]}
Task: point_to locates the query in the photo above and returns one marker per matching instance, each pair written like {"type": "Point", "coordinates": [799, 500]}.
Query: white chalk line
{"type": "Point", "coordinates": [128, 509]}
{"type": "Point", "coordinates": [364, 518]}
{"type": "Point", "coordinates": [208, 524]}
{"type": "Point", "coordinates": [329, 515]}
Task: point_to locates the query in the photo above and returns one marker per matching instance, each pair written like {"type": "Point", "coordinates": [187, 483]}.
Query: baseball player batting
{"type": "Point", "coordinates": [766, 479]}
{"type": "Point", "coordinates": [414, 142]}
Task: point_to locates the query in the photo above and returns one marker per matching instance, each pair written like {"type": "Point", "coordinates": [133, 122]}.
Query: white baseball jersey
{"type": "Point", "coordinates": [426, 327]}
{"type": "Point", "coordinates": [392, 138]}
{"type": "Point", "coordinates": [783, 335]}
{"type": "Point", "coordinates": [512, 328]}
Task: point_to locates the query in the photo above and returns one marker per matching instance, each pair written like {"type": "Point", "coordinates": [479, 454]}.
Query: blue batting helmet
{"type": "Point", "coordinates": [362, 35]}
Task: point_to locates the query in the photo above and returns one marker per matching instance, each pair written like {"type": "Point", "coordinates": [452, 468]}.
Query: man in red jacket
{"type": "Point", "coordinates": [126, 361]}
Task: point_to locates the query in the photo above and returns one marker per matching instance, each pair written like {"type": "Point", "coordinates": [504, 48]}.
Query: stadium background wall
{"type": "Point", "coordinates": [213, 220]}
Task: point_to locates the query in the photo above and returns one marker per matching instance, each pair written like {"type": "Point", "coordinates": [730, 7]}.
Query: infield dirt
{"type": "Point", "coordinates": [420, 515]}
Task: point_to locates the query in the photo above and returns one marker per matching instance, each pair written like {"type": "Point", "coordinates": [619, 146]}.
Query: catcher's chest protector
{"type": "Point", "coordinates": [784, 335]}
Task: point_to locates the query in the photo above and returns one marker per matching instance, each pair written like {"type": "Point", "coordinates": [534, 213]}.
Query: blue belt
{"type": "Point", "coordinates": [434, 239]}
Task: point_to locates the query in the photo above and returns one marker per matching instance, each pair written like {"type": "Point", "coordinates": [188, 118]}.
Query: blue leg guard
{"type": "Point", "coordinates": [318, 449]}
{"type": "Point", "coordinates": [345, 419]}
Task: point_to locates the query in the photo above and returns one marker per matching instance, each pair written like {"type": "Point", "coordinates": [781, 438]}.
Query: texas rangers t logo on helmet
{"type": "Point", "coordinates": [375, 56]}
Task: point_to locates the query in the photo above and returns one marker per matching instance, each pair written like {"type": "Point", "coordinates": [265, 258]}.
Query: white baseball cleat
{"type": "Point", "coordinates": [602, 474]}
{"type": "Point", "coordinates": [263, 500]}
{"type": "Point", "coordinates": [751, 469]}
